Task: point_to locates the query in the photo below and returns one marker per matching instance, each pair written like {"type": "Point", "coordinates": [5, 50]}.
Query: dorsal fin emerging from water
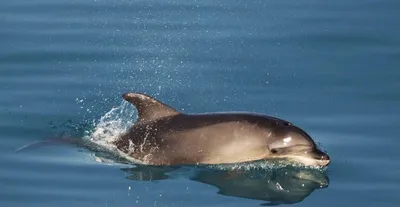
{"type": "Point", "coordinates": [148, 107]}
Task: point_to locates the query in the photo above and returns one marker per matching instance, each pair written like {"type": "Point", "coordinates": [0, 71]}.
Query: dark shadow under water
{"type": "Point", "coordinates": [286, 185]}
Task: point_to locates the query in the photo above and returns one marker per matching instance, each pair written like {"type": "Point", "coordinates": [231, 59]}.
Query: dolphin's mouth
{"type": "Point", "coordinates": [310, 161]}
{"type": "Point", "coordinates": [307, 161]}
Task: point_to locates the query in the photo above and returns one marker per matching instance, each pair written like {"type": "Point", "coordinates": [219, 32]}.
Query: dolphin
{"type": "Point", "coordinates": [165, 136]}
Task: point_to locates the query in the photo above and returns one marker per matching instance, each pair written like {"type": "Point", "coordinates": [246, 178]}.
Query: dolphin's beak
{"type": "Point", "coordinates": [324, 162]}
{"type": "Point", "coordinates": [322, 157]}
{"type": "Point", "coordinates": [313, 158]}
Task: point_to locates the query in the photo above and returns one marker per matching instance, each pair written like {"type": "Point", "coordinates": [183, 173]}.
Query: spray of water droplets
{"type": "Point", "coordinates": [109, 128]}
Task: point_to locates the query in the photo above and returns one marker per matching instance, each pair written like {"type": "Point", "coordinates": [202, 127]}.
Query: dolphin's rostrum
{"type": "Point", "coordinates": [164, 136]}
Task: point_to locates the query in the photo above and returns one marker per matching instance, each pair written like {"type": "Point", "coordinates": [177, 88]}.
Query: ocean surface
{"type": "Point", "coordinates": [330, 67]}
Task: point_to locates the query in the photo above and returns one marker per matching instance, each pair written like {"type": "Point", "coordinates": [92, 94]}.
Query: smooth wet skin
{"type": "Point", "coordinates": [164, 136]}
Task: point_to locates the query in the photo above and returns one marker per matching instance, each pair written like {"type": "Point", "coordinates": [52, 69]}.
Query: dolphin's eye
{"type": "Point", "coordinates": [274, 151]}
{"type": "Point", "coordinates": [287, 123]}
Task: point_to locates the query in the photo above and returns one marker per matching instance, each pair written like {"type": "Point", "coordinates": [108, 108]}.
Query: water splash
{"type": "Point", "coordinates": [265, 165]}
{"type": "Point", "coordinates": [108, 129]}
{"type": "Point", "coordinates": [110, 126]}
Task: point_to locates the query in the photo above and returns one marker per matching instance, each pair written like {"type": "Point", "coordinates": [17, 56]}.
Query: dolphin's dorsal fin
{"type": "Point", "coordinates": [148, 107]}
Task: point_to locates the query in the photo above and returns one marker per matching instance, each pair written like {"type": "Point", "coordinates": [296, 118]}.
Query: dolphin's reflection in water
{"type": "Point", "coordinates": [286, 185]}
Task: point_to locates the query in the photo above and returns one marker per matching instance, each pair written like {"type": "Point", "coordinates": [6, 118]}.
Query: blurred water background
{"type": "Point", "coordinates": [330, 67]}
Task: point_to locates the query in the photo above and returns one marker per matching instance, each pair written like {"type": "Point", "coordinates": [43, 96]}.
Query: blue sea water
{"type": "Point", "coordinates": [332, 68]}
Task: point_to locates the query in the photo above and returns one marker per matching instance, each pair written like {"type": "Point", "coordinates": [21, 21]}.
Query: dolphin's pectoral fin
{"type": "Point", "coordinates": [148, 107]}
